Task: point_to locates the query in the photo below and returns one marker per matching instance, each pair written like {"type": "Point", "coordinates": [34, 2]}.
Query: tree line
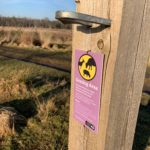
{"type": "Point", "coordinates": [27, 22]}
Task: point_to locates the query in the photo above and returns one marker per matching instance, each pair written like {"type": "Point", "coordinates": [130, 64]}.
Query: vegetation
{"type": "Point", "coordinates": [31, 38]}
{"type": "Point", "coordinates": [39, 94]}
{"type": "Point", "coordinates": [42, 96]}
{"type": "Point", "coordinates": [34, 23]}
{"type": "Point", "coordinates": [142, 134]}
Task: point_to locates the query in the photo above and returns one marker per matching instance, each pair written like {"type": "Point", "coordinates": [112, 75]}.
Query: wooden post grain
{"type": "Point", "coordinates": [126, 45]}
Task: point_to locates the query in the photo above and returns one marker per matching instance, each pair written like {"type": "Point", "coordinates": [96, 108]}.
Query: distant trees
{"type": "Point", "coordinates": [27, 22]}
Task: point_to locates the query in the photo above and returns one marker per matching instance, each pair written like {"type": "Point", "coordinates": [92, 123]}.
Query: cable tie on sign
{"type": "Point", "coordinates": [88, 51]}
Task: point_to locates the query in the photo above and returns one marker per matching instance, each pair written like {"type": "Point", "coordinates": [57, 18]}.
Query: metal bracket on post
{"type": "Point", "coordinates": [69, 17]}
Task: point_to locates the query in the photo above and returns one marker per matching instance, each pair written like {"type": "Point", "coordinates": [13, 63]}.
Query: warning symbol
{"type": "Point", "coordinates": [87, 67]}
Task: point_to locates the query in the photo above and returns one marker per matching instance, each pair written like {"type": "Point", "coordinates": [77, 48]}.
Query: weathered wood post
{"type": "Point", "coordinates": [125, 46]}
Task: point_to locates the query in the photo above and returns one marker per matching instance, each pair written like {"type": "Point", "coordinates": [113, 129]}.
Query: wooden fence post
{"type": "Point", "coordinates": [126, 45]}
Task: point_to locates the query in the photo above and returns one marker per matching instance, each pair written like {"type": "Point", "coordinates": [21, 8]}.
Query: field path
{"type": "Point", "coordinates": [56, 60]}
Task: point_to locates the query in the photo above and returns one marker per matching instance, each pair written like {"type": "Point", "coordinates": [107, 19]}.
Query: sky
{"type": "Point", "coordinates": [35, 8]}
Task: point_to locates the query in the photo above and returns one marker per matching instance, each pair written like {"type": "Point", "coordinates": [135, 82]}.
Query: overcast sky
{"type": "Point", "coordinates": [34, 8]}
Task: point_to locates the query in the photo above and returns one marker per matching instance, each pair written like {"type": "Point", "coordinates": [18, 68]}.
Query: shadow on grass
{"type": "Point", "coordinates": [36, 82]}
{"type": "Point", "coordinates": [28, 107]}
{"type": "Point", "coordinates": [25, 107]}
{"type": "Point", "coordinates": [49, 94]}
{"type": "Point", "coordinates": [142, 133]}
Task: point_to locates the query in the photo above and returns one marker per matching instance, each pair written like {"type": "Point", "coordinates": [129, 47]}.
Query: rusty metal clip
{"type": "Point", "coordinates": [69, 17]}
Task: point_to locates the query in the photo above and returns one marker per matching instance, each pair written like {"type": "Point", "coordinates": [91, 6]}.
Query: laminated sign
{"type": "Point", "coordinates": [87, 88]}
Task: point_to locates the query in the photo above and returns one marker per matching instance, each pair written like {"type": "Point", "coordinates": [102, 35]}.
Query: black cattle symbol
{"type": "Point", "coordinates": [90, 63]}
{"type": "Point", "coordinates": [80, 63]}
{"type": "Point", "coordinates": [86, 73]}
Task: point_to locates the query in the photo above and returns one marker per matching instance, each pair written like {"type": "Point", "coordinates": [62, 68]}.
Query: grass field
{"type": "Point", "coordinates": [41, 94]}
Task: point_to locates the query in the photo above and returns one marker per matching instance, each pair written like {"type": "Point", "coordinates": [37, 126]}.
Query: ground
{"type": "Point", "coordinates": [41, 94]}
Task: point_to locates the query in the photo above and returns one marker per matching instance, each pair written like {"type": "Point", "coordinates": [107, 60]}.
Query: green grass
{"type": "Point", "coordinates": [10, 68]}
{"type": "Point", "coordinates": [44, 102]}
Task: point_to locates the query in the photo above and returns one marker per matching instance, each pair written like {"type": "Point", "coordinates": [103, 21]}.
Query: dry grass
{"type": "Point", "coordinates": [41, 95]}
{"type": "Point", "coordinates": [5, 128]}
{"type": "Point", "coordinates": [145, 99]}
{"type": "Point", "coordinates": [149, 62]}
{"type": "Point", "coordinates": [58, 39]}
{"type": "Point", "coordinates": [12, 88]}
{"type": "Point", "coordinates": [8, 119]}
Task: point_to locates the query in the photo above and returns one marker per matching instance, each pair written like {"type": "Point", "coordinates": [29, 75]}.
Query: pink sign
{"type": "Point", "coordinates": [87, 88]}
